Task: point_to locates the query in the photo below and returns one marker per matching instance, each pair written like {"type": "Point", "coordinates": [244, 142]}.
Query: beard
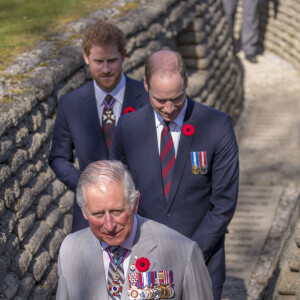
{"type": "Point", "coordinates": [108, 83]}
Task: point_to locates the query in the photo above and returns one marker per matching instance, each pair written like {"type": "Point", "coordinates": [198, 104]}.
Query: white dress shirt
{"type": "Point", "coordinates": [175, 127]}
{"type": "Point", "coordinates": [118, 93]}
{"type": "Point", "coordinates": [127, 244]}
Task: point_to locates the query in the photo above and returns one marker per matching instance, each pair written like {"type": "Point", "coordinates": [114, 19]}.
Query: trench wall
{"type": "Point", "coordinates": [279, 32]}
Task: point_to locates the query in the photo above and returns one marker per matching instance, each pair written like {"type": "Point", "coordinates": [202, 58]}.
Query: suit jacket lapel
{"type": "Point", "coordinates": [183, 151]}
{"type": "Point", "coordinates": [90, 116]}
{"type": "Point", "coordinates": [93, 267]}
{"type": "Point", "coordinates": [132, 93]}
{"type": "Point", "coordinates": [144, 246]}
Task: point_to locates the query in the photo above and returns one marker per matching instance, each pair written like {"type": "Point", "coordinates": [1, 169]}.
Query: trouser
{"type": "Point", "coordinates": [216, 268]}
{"type": "Point", "coordinates": [250, 23]}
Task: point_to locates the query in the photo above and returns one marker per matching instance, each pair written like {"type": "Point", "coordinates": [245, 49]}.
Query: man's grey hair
{"type": "Point", "coordinates": [100, 175]}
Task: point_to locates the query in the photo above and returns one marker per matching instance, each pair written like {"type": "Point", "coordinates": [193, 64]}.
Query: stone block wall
{"type": "Point", "coordinates": [35, 207]}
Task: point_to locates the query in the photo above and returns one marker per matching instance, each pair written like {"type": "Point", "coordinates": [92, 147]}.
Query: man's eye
{"type": "Point", "coordinates": [99, 215]}
{"type": "Point", "coordinates": [161, 101]}
{"type": "Point", "coordinates": [116, 213]}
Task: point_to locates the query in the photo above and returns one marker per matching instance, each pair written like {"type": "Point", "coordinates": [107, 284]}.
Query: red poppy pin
{"type": "Point", "coordinates": [188, 130]}
{"type": "Point", "coordinates": [128, 109]}
{"type": "Point", "coordinates": [142, 264]}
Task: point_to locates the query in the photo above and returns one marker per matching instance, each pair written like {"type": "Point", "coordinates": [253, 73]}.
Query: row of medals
{"type": "Point", "coordinates": [157, 292]}
{"type": "Point", "coordinates": [197, 170]}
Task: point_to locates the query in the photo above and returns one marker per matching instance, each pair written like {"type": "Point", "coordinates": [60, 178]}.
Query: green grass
{"type": "Point", "coordinates": [24, 22]}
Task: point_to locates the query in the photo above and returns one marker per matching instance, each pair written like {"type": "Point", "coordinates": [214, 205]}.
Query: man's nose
{"type": "Point", "coordinates": [105, 67]}
{"type": "Point", "coordinates": [169, 107]}
{"type": "Point", "coordinates": [109, 223]}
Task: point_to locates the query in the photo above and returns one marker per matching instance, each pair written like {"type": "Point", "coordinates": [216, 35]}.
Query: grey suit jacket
{"type": "Point", "coordinates": [81, 269]}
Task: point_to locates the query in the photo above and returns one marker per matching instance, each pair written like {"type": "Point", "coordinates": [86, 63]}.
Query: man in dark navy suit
{"type": "Point", "coordinates": [87, 116]}
{"type": "Point", "coordinates": [183, 157]}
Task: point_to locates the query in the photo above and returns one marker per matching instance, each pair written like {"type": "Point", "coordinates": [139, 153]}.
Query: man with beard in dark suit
{"type": "Point", "coordinates": [86, 117]}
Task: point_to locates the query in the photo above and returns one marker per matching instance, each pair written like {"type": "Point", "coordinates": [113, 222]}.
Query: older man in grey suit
{"type": "Point", "coordinates": [122, 255]}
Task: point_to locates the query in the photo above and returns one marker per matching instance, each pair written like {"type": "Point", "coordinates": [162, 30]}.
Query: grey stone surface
{"type": "Point", "coordinates": [25, 224]}
{"type": "Point", "coordinates": [268, 134]}
{"type": "Point", "coordinates": [40, 264]}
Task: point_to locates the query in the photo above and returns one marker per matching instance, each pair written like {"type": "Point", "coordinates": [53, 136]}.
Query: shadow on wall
{"type": "Point", "coordinates": [266, 9]}
{"type": "Point", "coordinates": [234, 289]}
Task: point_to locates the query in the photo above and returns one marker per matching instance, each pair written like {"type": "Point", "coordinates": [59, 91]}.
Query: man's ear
{"type": "Point", "coordinates": [84, 214]}
{"type": "Point", "coordinates": [136, 205]}
{"type": "Point", "coordinates": [146, 85]}
{"type": "Point", "coordinates": [86, 58]}
{"type": "Point", "coordinates": [123, 55]}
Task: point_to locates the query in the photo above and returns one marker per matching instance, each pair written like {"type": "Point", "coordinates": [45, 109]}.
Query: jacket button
{"type": "Point", "coordinates": [168, 214]}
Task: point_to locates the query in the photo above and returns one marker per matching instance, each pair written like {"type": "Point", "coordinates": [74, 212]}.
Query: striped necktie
{"type": "Point", "coordinates": [167, 158]}
{"type": "Point", "coordinates": [108, 120]}
{"type": "Point", "coordinates": [115, 278]}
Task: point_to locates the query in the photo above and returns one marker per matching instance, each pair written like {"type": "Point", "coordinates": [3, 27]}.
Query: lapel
{"type": "Point", "coordinates": [144, 246]}
{"type": "Point", "coordinates": [132, 93]}
{"type": "Point", "coordinates": [183, 152]}
{"type": "Point", "coordinates": [93, 268]}
{"type": "Point", "coordinates": [91, 122]}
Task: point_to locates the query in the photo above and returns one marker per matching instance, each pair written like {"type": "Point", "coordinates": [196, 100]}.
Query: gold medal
{"type": "Point", "coordinates": [196, 170]}
{"type": "Point", "coordinates": [163, 291]}
{"type": "Point", "coordinates": [108, 114]}
{"type": "Point", "coordinates": [167, 292]}
{"type": "Point", "coordinates": [150, 293]}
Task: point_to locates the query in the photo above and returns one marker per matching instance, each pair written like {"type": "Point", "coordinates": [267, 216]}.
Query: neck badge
{"type": "Point", "coordinates": [116, 287]}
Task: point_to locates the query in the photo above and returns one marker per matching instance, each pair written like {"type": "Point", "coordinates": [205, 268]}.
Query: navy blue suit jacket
{"type": "Point", "coordinates": [199, 206]}
{"type": "Point", "coordinates": [77, 126]}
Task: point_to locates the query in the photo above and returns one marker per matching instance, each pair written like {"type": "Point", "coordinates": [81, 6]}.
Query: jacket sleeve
{"type": "Point", "coordinates": [62, 288]}
{"type": "Point", "coordinates": [224, 182]}
{"type": "Point", "coordinates": [61, 156]}
{"type": "Point", "coordinates": [196, 281]}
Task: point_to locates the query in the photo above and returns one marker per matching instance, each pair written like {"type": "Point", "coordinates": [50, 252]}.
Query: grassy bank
{"type": "Point", "coordinates": [24, 22]}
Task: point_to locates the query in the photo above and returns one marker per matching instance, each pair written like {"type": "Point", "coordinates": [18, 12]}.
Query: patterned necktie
{"type": "Point", "coordinates": [167, 158]}
{"type": "Point", "coordinates": [115, 278]}
{"type": "Point", "coordinates": [108, 120]}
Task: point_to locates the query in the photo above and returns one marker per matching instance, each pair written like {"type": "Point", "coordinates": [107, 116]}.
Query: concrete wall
{"type": "Point", "coordinates": [35, 207]}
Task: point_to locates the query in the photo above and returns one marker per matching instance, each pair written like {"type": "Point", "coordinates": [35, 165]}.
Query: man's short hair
{"type": "Point", "coordinates": [103, 34]}
{"type": "Point", "coordinates": [171, 61]}
{"type": "Point", "coordinates": [100, 175]}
